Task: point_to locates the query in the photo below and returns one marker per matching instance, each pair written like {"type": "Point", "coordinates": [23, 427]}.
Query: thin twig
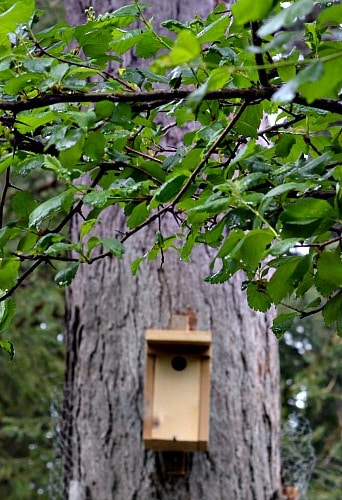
{"type": "Point", "coordinates": [4, 194]}
{"type": "Point", "coordinates": [210, 151]}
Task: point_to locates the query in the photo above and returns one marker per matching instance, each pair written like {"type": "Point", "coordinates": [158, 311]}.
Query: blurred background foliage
{"type": "Point", "coordinates": [31, 390]}
{"type": "Point", "coordinates": [311, 383]}
{"type": "Point", "coordinates": [31, 383]}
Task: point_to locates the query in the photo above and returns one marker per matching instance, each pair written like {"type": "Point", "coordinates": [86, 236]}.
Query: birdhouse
{"type": "Point", "coordinates": [177, 390]}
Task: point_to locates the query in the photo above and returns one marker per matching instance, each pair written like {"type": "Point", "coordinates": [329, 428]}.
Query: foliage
{"type": "Point", "coordinates": [28, 383]}
{"type": "Point", "coordinates": [310, 357]}
{"type": "Point", "coordinates": [264, 193]}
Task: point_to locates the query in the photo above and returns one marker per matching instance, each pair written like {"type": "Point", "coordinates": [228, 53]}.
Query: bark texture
{"type": "Point", "coordinates": [108, 312]}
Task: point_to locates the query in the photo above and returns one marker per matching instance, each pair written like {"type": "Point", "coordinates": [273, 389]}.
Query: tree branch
{"type": "Point", "coordinates": [145, 99]}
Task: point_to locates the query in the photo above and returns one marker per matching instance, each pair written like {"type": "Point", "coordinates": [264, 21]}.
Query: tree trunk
{"type": "Point", "coordinates": [108, 313]}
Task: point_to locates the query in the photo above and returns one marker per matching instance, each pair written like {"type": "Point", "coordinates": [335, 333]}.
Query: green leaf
{"type": "Point", "coordinates": [332, 312]}
{"type": "Point", "coordinates": [331, 16]}
{"type": "Point", "coordinates": [283, 323]}
{"type": "Point", "coordinates": [51, 207]}
{"type": "Point", "coordinates": [307, 210]}
{"type": "Point", "coordinates": [121, 17]}
{"type": "Point", "coordinates": [8, 347]}
{"type": "Point", "coordinates": [7, 310]}
{"type": "Point", "coordinates": [87, 226]}
{"type": "Point", "coordinates": [326, 85]}
{"type": "Point", "coordinates": [148, 44]}
{"type": "Point", "coordinates": [279, 285]}
{"type": "Point", "coordinates": [19, 12]}
{"type": "Point", "coordinates": [285, 188]}
{"type": "Point", "coordinates": [185, 49]}
{"type": "Point", "coordinates": [113, 245]}
{"type": "Point", "coordinates": [30, 122]}
{"type": "Point", "coordinates": [23, 204]}
{"type": "Point", "coordinates": [286, 17]}
{"type": "Point", "coordinates": [97, 198]}
{"type": "Point", "coordinates": [215, 204]}
{"type": "Point", "coordinates": [139, 214]}
{"type": "Point", "coordinates": [229, 267]}
{"type": "Point", "coordinates": [245, 11]}
{"type": "Point", "coordinates": [252, 247]}
{"type": "Point", "coordinates": [215, 30]}
{"type": "Point", "coordinates": [52, 163]}
{"type": "Point", "coordinates": [9, 272]}
{"type": "Point", "coordinates": [230, 243]}
{"type": "Point", "coordinates": [136, 264]}
{"type": "Point", "coordinates": [329, 268]}
{"type": "Point", "coordinates": [250, 120]}
{"type": "Point", "coordinates": [311, 73]}
{"type": "Point", "coordinates": [94, 145]}
{"type": "Point", "coordinates": [169, 189]}
{"type": "Point", "coordinates": [282, 247]}
{"type": "Point", "coordinates": [217, 80]}
{"type": "Point", "coordinates": [65, 276]}
{"type": "Point", "coordinates": [257, 298]}
{"type": "Point", "coordinates": [31, 163]}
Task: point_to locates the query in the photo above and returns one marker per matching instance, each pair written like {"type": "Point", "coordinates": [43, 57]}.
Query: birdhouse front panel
{"type": "Point", "coordinates": [177, 390]}
{"type": "Point", "coordinates": [176, 398]}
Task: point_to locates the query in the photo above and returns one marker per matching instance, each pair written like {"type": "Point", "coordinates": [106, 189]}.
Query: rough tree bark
{"type": "Point", "coordinates": [108, 312]}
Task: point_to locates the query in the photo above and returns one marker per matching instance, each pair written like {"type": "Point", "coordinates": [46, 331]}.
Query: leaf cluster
{"type": "Point", "coordinates": [253, 93]}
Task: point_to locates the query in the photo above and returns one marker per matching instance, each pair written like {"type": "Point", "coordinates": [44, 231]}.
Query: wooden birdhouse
{"type": "Point", "coordinates": [177, 390]}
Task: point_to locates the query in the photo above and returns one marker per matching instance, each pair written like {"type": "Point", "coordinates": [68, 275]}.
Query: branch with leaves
{"type": "Point", "coordinates": [256, 175]}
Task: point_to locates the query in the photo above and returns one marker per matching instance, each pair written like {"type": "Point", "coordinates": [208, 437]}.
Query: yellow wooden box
{"type": "Point", "coordinates": [177, 390]}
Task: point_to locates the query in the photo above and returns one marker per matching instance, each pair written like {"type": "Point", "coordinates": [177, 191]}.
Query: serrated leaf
{"type": "Point", "coordinates": [148, 44]}
{"type": "Point", "coordinates": [65, 276]}
{"type": "Point", "coordinates": [283, 323]}
{"type": "Point", "coordinates": [258, 299]}
{"type": "Point", "coordinates": [229, 267]}
{"type": "Point", "coordinates": [185, 49]}
{"type": "Point", "coordinates": [29, 164]}
{"type": "Point", "coordinates": [5, 162]}
{"type": "Point", "coordinates": [328, 85]}
{"type": "Point", "coordinates": [230, 242]}
{"type": "Point", "coordinates": [87, 226]}
{"type": "Point", "coordinates": [113, 245]}
{"type": "Point", "coordinates": [215, 30]}
{"type": "Point", "coordinates": [30, 122]}
{"type": "Point", "coordinates": [253, 246]}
